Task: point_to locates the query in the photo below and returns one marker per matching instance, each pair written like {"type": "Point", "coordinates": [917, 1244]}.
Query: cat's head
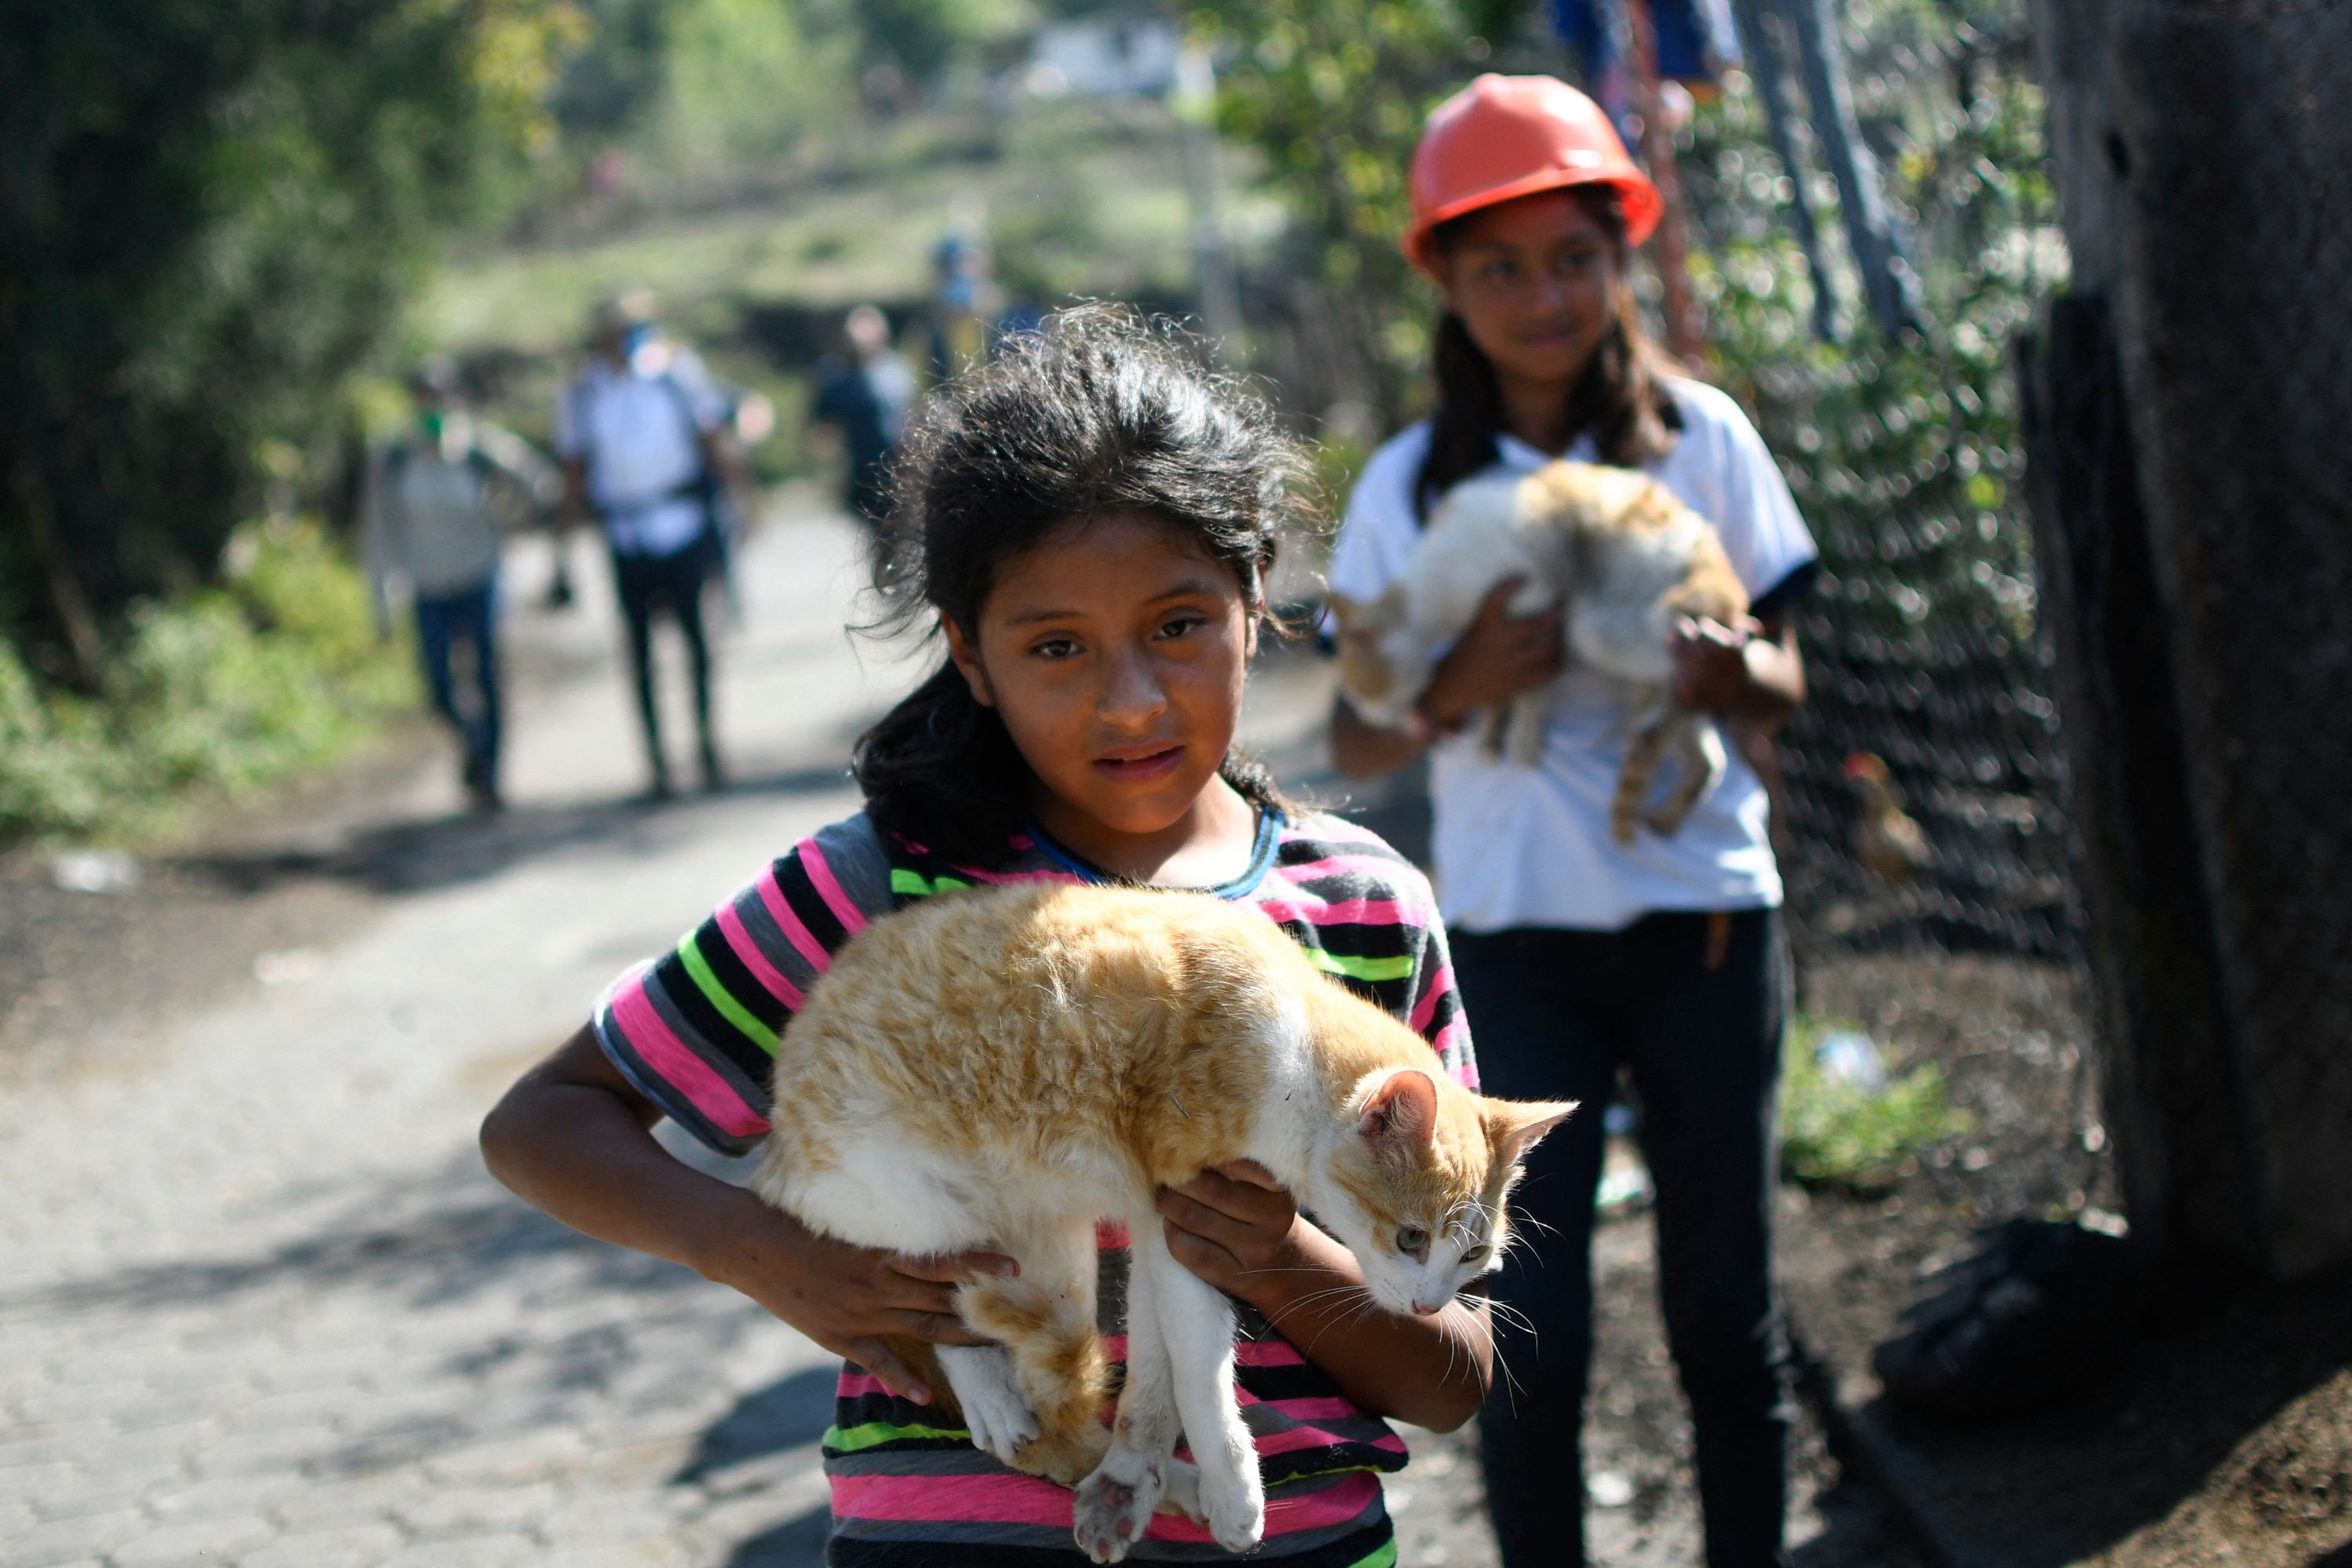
{"type": "Point", "coordinates": [1416, 1184]}
{"type": "Point", "coordinates": [1383, 658]}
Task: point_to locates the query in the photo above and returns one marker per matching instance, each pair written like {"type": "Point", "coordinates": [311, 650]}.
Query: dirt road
{"type": "Point", "coordinates": [260, 1305]}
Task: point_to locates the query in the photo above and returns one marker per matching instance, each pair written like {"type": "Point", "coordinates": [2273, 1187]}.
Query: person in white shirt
{"type": "Point", "coordinates": [428, 520]}
{"type": "Point", "coordinates": [1578, 957]}
{"type": "Point", "coordinates": [639, 431]}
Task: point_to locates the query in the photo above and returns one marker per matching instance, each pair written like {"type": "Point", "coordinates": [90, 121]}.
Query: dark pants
{"type": "Point", "coordinates": [672, 586]}
{"type": "Point", "coordinates": [1554, 1015]}
{"type": "Point", "coordinates": [471, 617]}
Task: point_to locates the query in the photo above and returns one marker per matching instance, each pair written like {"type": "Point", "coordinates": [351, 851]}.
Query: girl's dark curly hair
{"type": "Point", "coordinates": [1622, 397]}
{"type": "Point", "coordinates": [1100, 411]}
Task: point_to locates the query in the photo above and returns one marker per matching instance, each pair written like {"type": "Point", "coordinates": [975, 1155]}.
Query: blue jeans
{"type": "Point", "coordinates": [1554, 1015]}
{"type": "Point", "coordinates": [470, 616]}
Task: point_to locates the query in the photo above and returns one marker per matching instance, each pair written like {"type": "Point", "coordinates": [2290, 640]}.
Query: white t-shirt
{"type": "Point", "coordinates": [1530, 846]}
{"type": "Point", "coordinates": [636, 428]}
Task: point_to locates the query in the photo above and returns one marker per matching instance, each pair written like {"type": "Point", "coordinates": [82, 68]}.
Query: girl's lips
{"type": "Point", "coordinates": [1150, 767]}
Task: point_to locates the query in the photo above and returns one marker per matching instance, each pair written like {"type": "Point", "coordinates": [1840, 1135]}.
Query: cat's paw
{"type": "Point", "coordinates": [1233, 1511]}
{"type": "Point", "coordinates": [1183, 1494]}
{"type": "Point", "coordinates": [998, 1417]}
{"type": "Point", "coordinates": [1114, 1506]}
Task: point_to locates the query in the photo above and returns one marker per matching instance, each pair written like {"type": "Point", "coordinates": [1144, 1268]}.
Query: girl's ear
{"type": "Point", "coordinates": [967, 661]}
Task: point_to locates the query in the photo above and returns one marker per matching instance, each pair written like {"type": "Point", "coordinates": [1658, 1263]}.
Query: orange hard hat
{"type": "Point", "coordinates": [1504, 136]}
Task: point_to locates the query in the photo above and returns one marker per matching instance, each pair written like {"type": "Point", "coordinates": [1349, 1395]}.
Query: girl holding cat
{"type": "Point", "coordinates": [1663, 957]}
{"type": "Point", "coordinates": [1090, 522]}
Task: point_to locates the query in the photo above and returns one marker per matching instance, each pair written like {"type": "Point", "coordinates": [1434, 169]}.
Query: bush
{"type": "Point", "coordinates": [1837, 1133]}
{"type": "Point", "coordinates": [215, 691]}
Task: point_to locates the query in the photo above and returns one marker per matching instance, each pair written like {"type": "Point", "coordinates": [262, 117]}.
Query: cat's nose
{"type": "Point", "coordinates": [1427, 1308]}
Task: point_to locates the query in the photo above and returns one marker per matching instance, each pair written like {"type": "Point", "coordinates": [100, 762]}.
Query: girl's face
{"type": "Point", "coordinates": [1115, 653]}
{"type": "Point", "coordinates": [1535, 283]}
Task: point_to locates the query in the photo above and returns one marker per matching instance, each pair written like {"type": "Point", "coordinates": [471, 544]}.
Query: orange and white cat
{"type": "Point", "coordinates": [1626, 560]}
{"type": "Point", "coordinates": [999, 1068]}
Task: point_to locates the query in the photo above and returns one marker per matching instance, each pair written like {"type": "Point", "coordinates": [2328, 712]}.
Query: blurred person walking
{"type": "Point", "coordinates": [640, 435]}
{"type": "Point", "coordinates": [1578, 957]}
{"type": "Point", "coordinates": [428, 518]}
{"type": "Point", "coordinates": [865, 394]}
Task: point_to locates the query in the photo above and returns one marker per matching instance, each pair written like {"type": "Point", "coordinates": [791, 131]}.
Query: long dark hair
{"type": "Point", "coordinates": [1098, 411]}
{"type": "Point", "coordinates": [1620, 398]}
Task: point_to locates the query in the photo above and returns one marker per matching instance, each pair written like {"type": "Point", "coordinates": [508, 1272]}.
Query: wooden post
{"type": "Point", "coordinates": [2201, 150]}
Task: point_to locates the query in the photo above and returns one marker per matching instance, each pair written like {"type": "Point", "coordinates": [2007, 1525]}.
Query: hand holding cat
{"type": "Point", "coordinates": [1232, 1226]}
{"type": "Point", "coordinates": [1711, 662]}
{"type": "Point", "coordinates": [1499, 657]}
{"type": "Point", "coordinates": [846, 1298]}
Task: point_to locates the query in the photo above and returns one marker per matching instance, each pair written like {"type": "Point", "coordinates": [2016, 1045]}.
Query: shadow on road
{"type": "Point", "coordinates": [786, 1414]}
{"type": "Point", "coordinates": [438, 852]}
{"type": "Point", "coordinates": [798, 1542]}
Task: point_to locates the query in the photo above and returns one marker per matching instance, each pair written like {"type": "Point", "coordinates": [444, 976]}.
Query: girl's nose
{"type": "Point", "coordinates": [1132, 696]}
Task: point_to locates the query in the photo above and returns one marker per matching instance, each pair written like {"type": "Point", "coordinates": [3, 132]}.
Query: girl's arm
{"type": "Point", "coordinates": [1238, 1228]}
{"type": "Point", "coordinates": [574, 1138]}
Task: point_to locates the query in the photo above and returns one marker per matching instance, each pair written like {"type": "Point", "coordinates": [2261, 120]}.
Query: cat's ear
{"type": "Point", "coordinates": [1402, 1108]}
{"type": "Point", "coordinates": [1514, 1126]}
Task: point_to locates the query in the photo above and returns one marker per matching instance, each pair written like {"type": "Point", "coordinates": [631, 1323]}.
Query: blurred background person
{"type": "Point", "coordinates": [641, 433]}
{"type": "Point", "coordinates": [431, 520]}
{"type": "Point", "coordinates": [865, 394]}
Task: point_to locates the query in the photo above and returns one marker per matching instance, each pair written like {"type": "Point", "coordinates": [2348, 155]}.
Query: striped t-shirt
{"type": "Point", "coordinates": [697, 1030]}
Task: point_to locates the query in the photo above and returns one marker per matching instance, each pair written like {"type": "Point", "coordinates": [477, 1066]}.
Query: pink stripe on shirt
{"type": "Point", "coordinates": [1426, 1008]}
{"type": "Point", "coordinates": [667, 1057]}
{"type": "Point", "coordinates": [1007, 1498]}
{"type": "Point", "coordinates": [1351, 912]}
{"type": "Point", "coordinates": [772, 893]}
{"type": "Point", "coordinates": [828, 888]}
{"type": "Point", "coordinates": [1341, 866]}
{"type": "Point", "coordinates": [739, 939]}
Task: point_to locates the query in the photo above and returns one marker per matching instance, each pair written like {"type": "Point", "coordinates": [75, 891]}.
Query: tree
{"type": "Point", "coordinates": [212, 211]}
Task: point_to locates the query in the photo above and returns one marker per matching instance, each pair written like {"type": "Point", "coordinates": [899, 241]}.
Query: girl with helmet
{"type": "Point", "coordinates": [1578, 957]}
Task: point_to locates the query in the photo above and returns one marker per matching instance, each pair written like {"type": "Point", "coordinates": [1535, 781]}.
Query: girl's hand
{"type": "Point", "coordinates": [846, 1298]}
{"type": "Point", "coordinates": [1498, 657]}
{"type": "Point", "coordinates": [1232, 1225]}
{"type": "Point", "coordinates": [1711, 671]}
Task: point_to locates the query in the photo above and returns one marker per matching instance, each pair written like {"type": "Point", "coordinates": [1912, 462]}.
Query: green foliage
{"type": "Point", "coordinates": [214, 210]}
{"type": "Point", "coordinates": [1333, 93]}
{"type": "Point", "coordinates": [1904, 456]}
{"type": "Point", "coordinates": [1834, 1134]}
{"type": "Point", "coordinates": [216, 689]}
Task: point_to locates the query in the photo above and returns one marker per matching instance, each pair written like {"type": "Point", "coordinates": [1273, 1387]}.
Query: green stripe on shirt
{"type": "Point", "coordinates": [759, 1034]}
{"type": "Point", "coordinates": [874, 1434]}
{"type": "Point", "coordinates": [1353, 968]}
{"type": "Point", "coordinates": [915, 884]}
{"type": "Point", "coordinates": [1383, 1556]}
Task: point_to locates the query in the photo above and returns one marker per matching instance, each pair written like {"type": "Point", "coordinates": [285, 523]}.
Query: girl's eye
{"type": "Point", "coordinates": [1412, 1242]}
{"type": "Point", "coordinates": [1177, 629]}
{"type": "Point", "coordinates": [1498, 271]}
{"type": "Point", "coordinates": [1055, 647]}
{"type": "Point", "coordinates": [1477, 1255]}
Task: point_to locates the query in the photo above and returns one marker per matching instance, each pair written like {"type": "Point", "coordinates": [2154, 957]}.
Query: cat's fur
{"type": "Point", "coordinates": [998, 1069]}
{"type": "Point", "coordinates": [1623, 556]}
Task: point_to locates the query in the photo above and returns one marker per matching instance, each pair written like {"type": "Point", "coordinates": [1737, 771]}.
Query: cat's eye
{"type": "Point", "coordinates": [1477, 1255]}
{"type": "Point", "coordinates": [1412, 1242]}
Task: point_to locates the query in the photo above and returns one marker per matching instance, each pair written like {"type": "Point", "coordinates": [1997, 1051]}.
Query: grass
{"type": "Point", "coordinates": [1082, 198]}
{"type": "Point", "coordinates": [1837, 1134]}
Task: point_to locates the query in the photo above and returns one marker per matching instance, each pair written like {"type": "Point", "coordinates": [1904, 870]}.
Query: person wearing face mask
{"type": "Point", "coordinates": [430, 520]}
{"type": "Point", "coordinates": [1581, 957]}
{"type": "Point", "coordinates": [640, 433]}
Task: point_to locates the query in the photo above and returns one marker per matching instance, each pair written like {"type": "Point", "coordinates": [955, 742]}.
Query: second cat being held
{"type": "Point", "coordinates": [1621, 556]}
{"type": "Point", "coordinates": [998, 1069]}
